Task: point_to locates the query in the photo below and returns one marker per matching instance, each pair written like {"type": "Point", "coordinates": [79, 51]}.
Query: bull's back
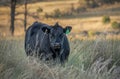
{"type": "Point", "coordinates": [30, 38]}
{"type": "Point", "coordinates": [33, 37]}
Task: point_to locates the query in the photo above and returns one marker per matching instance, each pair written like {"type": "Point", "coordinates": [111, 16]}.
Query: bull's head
{"type": "Point", "coordinates": [57, 35]}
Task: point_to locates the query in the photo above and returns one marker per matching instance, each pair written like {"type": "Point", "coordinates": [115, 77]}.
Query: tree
{"type": "Point", "coordinates": [13, 6]}
{"type": "Point", "coordinates": [25, 16]}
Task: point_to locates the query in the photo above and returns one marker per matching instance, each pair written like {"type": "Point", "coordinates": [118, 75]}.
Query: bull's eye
{"type": "Point", "coordinates": [52, 36]}
{"type": "Point", "coordinates": [61, 35]}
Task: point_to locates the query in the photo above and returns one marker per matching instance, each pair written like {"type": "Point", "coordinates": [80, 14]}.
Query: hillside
{"type": "Point", "coordinates": [90, 20]}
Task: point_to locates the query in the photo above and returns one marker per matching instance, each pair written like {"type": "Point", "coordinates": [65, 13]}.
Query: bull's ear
{"type": "Point", "coordinates": [67, 29]}
{"type": "Point", "coordinates": [46, 30]}
{"type": "Point", "coordinates": [56, 24]}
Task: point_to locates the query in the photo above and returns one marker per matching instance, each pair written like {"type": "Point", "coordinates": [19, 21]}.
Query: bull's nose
{"type": "Point", "coordinates": [57, 46]}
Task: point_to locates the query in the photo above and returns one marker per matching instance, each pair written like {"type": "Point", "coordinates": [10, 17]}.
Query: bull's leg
{"type": "Point", "coordinates": [28, 53]}
{"type": "Point", "coordinates": [64, 57]}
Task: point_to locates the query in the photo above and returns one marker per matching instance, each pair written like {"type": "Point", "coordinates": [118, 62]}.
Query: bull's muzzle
{"type": "Point", "coordinates": [57, 46]}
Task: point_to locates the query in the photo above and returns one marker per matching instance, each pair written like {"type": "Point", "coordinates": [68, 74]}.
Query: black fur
{"type": "Point", "coordinates": [47, 42]}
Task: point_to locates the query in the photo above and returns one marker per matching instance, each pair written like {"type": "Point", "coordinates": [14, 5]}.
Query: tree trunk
{"type": "Point", "coordinates": [25, 16]}
{"type": "Point", "coordinates": [13, 6]}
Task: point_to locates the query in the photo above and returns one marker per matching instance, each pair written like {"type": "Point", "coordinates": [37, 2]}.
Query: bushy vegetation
{"type": "Point", "coordinates": [91, 33]}
{"type": "Point", "coordinates": [96, 3]}
{"type": "Point", "coordinates": [57, 13]}
{"type": "Point", "coordinates": [106, 19]}
{"type": "Point", "coordinates": [89, 59]}
{"type": "Point", "coordinates": [88, 3]}
{"type": "Point", "coordinates": [80, 9]}
{"type": "Point", "coordinates": [115, 25]}
{"type": "Point", "coordinates": [46, 15]}
{"type": "Point", "coordinates": [39, 10]}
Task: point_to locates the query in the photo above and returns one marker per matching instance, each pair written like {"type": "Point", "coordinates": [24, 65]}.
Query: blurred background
{"type": "Point", "coordinates": [89, 18]}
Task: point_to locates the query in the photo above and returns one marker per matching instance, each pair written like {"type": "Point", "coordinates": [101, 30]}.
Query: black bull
{"type": "Point", "coordinates": [47, 42]}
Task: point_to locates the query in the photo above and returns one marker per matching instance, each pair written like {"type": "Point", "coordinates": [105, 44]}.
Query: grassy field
{"type": "Point", "coordinates": [89, 59]}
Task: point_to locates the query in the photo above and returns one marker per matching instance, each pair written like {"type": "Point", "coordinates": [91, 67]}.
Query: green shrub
{"type": "Point", "coordinates": [46, 15]}
{"type": "Point", "coordinates": [115, 25]}
{"type": "Point", "coordinates": [72, 8]}
{"type": "Point", "coordinates": [88, 3]}
{"type": "Point", "coordinates": [80, 9]}
{"type": "Point", "coordinates": [106, 19]}
{"type": "Point", "coordinates": [92, 4]}
{"type": "Point", "coordinates": [57, 13]}
{"type": "Point", "coordinates": [91, 33]}
{"type": "Point", "coordinates": [39, 10]}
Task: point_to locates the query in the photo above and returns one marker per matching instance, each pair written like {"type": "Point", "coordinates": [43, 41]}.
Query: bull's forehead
{"type": "Point", "coordinates": [57, 30]}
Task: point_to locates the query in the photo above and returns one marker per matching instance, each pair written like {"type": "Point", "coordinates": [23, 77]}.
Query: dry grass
{"type": "Point", "coordinates": [89, 59]}
{"type": "Point", "coordinates": [80, 22]}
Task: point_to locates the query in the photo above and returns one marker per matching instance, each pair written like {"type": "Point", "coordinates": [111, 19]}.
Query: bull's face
{"type": "Point", "coordinates": [57, 35]}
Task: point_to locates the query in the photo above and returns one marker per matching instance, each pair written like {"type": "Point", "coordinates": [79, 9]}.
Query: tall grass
{"type": "Point", "coordinates": [89, 59]}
